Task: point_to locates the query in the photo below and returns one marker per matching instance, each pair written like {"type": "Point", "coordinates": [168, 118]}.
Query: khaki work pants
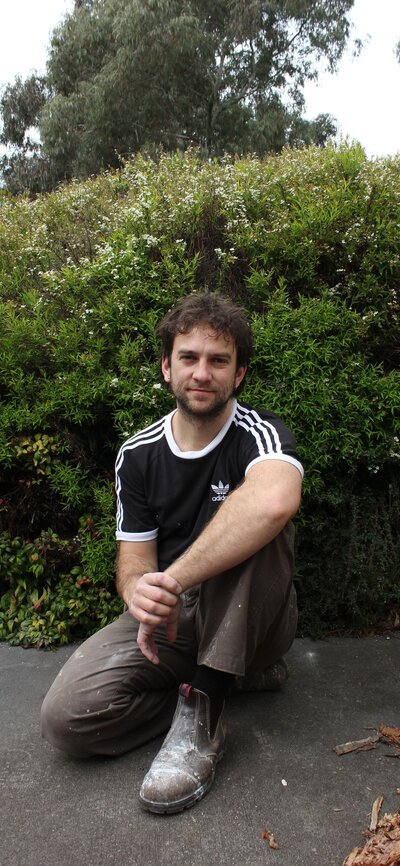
{"type": "Point", "coordinates": [108, 698]}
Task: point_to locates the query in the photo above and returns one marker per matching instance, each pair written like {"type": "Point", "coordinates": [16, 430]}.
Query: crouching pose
{"type": "Point", "coordinates": [205, 498]}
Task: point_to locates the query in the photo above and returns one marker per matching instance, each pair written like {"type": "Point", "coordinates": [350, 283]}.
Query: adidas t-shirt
{"type": "Point", "coordinates": [167, 494]}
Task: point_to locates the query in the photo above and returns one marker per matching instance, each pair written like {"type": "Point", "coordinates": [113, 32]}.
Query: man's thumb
{"type": "Point", "coordinates": [171, 631]}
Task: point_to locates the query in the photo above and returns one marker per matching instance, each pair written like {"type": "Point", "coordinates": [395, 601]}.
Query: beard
{"type": "Point", "coordinates": [196, 410]}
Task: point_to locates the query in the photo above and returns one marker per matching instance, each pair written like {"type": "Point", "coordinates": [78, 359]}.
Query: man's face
{"type": "Point", "coordinates": [202, 372]}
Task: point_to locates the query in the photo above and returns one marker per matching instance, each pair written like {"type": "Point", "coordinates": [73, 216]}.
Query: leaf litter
{"type": "Point", "coordinates": [269, 837]}
{"type": "Point", "coordinates": [383, 845]}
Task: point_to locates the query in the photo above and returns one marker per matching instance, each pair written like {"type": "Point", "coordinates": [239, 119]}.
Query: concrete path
{"type": "Point", "coordinates": [60, 812]}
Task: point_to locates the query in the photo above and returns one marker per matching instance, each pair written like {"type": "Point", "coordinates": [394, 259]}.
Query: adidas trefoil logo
{"type": "Point", "coordinates": [221, 491]}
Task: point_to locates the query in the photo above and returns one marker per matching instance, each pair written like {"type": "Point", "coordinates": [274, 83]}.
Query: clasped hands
{"type": "Point", "coordinates": [155, 601]}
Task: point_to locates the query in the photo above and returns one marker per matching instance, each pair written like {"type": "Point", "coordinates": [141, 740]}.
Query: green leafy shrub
{"type": "Point", "coordinates": [308, 242]}
{"type": "Point", "coordinates": [41, 605]}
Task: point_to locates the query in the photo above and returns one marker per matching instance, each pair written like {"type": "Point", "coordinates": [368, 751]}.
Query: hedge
{"type": "Point", "coordinates": [308, 242]}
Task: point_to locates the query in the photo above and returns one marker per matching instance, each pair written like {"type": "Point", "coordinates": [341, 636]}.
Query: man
{"type": "Point", "coordinates": [204, 501]}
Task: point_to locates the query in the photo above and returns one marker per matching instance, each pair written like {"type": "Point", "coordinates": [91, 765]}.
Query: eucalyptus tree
{"type": "Point", "coordinates": [123, 75]}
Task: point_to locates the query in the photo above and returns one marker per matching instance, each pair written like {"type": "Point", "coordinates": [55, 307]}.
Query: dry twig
{"type": "Point", "coordinates": [358, 745]}
{"type": "Point", "coordinates": [375, 813]}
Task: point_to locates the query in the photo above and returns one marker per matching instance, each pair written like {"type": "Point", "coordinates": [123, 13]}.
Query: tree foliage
{"type": "Point", "coordinates": [24, 167]}
{"type": "Point", "coordinates": [20, 105]}
{"type": "Point", "coordinates": [223, 75]}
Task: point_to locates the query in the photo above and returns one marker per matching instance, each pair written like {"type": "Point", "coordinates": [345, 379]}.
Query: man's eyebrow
{"type": "Point", "coordinates": [226, 355]}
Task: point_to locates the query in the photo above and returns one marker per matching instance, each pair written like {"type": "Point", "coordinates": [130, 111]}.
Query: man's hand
{"type": "Point", "coordinates": [145, 639]}
{"type": "Point", "coordinates": [154, 596]}
{"type": "Point", "coordinates": [155, 601]}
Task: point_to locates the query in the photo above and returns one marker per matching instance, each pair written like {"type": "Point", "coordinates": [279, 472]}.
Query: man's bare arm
{"type": "Point", "coordinates": [151, 597]}
{"type": "Point", "coordinates": [249, 519]}
{"type": "Point", "coordinates": [148, 594]}
{"type": "Point", "coordinates": [134, 558]}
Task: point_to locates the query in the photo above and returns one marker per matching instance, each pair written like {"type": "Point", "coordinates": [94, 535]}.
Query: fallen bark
{"type": "Point", "coordinates": [375, 814]}
{"type": "Point", "coordinates": [390, 734]}
{"type": "Point", "coordinates": [358, 745]}
{"type": "Point", "coordinates": [383, 845]}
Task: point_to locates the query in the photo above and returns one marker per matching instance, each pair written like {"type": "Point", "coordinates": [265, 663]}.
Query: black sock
{"type": "Point", "coordinates": [216, 685]}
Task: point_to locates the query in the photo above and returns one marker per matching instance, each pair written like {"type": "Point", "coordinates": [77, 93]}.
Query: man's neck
{"type": "Point", "coordinates": [193, 433]}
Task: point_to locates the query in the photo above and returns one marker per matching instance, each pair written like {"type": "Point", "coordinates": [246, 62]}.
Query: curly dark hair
{"type": "Point", "coordinates": [220, 314]}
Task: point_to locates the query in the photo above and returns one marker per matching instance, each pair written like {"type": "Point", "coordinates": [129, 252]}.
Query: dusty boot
{"type": "Point", "coordinates": [184, 769]}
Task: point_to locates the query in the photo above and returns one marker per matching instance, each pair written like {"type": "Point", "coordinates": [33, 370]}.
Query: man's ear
{"type": "Point", "coordinates": [240, 374]}
{"type": "Point", "coordinates": [165, 368]}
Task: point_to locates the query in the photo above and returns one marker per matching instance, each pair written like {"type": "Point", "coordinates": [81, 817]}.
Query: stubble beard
{"type": "Point", "coordinates": [193, 413]}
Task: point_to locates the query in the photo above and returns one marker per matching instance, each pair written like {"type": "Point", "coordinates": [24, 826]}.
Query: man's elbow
{"type": "Point", "coordinates": [283, 508]}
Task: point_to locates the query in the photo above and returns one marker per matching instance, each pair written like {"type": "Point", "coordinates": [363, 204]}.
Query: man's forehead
{"type": "Point", "coordinates": [204, 335]}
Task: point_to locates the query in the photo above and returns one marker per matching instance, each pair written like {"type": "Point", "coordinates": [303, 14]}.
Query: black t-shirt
{"type": "Point", "coordinates": [167, 494]}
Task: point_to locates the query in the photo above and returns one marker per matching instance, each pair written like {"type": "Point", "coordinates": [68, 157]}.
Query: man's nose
{"type": "Point", "coordinates": [201, 371]}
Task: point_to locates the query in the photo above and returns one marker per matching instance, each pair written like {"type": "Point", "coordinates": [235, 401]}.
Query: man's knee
{"type": "Point", "coordinates": [63, 729]}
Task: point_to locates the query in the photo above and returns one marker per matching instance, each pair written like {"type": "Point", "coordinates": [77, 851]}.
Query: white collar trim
{"type": "Point", "coordinates": [194, 455]}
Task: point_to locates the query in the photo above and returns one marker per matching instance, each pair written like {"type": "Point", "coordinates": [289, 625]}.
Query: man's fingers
{"type": "Point", "coordinates": [145, 638]}
{"type": "Point", "coordinates": [148, 610]}
{"type": "Point", "coordinates": [154, 598]}
{"type": "Point", "coordinates": [147, 644]}
{"type": "Point", "coordinates": [171, 626]}
{"type": "Point", "coordinates": [164, 580]}
{"type": "Point", "coordinates": [144, 617]}
{"type": "Point", "coordinates": [158, 588]}
{"type": "Point", "coordinates": [171, 631]}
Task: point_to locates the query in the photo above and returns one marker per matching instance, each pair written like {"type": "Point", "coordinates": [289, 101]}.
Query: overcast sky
{"type": "Point", "coordinates": [363, 96]}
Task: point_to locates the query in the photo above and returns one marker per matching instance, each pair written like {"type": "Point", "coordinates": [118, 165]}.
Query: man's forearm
{"type": "Point", "coordinates": [245, 523]}
{"type": "Point", "coordinates": [225, 542]}
{"type": "Point", "coordinates": [129, 569]}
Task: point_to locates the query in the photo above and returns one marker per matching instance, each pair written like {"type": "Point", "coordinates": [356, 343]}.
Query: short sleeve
{"type": "Point", "coordinates": [265, 437]}
{"type": "Point", "coordinates": [135, 519]}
